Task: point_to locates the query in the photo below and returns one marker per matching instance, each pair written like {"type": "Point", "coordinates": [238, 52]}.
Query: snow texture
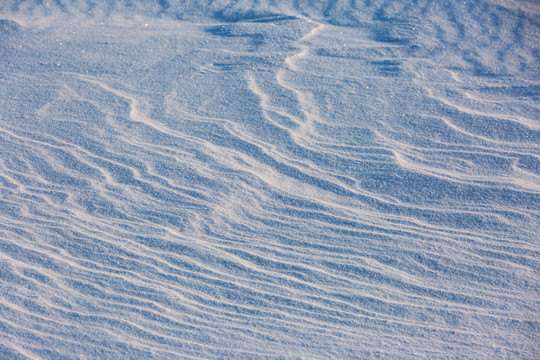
{"type": "Point", "coordinates": [252, 179]}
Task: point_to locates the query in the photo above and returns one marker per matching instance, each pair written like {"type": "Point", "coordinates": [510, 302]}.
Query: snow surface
{"type": "Point", "coordinates": [254, 179]}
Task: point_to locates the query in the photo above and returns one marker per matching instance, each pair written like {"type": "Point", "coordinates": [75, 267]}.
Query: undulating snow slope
{"type": "Point", "coordinates": [272, 179]}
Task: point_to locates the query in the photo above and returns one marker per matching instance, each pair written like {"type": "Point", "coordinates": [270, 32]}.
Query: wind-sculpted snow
{"type": "Point", "coordinates": [269, 180]}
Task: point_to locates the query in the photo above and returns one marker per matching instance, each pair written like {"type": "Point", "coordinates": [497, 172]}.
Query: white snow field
{"type": "Point", "coordinates": [251, 179]}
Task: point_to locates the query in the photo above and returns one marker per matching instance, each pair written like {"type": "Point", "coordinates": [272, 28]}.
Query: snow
{"type": "Point", "coordinates": [269, 179]}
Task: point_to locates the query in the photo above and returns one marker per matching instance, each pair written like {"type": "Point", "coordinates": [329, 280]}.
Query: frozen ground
{"type": "Point", "coordinates": [269, 179]}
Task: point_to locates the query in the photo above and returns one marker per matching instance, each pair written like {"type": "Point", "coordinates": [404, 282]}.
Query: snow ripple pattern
{"type": "Point", "coordinates": [254, 179]}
